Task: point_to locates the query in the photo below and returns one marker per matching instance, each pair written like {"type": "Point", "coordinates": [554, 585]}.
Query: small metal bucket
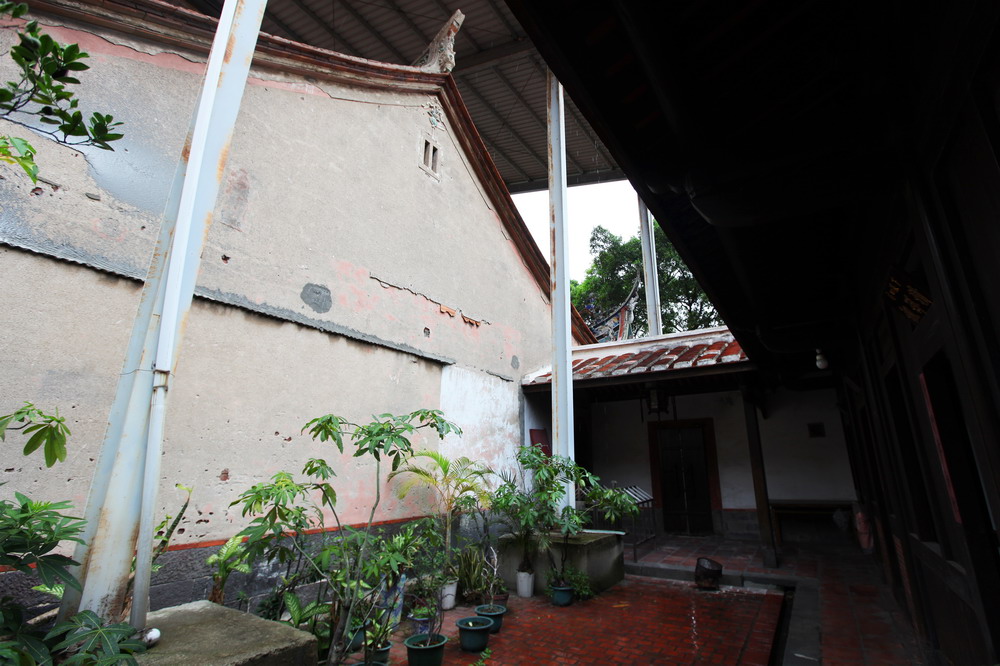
{"type": "Point", "coordinates": [707, 574]}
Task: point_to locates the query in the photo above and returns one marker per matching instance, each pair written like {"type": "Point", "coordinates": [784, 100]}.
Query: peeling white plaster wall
{"type": "Point", "coordinates": [486, 408]}
{"type": "Point", "coordinates": [338, 276]}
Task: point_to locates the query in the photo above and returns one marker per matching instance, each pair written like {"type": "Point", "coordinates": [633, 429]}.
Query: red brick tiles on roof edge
{"type": "Point", "coordinates": [657, 359]}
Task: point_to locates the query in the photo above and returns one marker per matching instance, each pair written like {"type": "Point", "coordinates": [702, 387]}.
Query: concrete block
{"type": "Point", "coordinates": [205, 633]}
{"type": "Point", "coordinates": [598, 554]}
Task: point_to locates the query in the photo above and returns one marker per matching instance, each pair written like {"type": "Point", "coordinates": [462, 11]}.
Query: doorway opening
{"type": "Point", "coordinates": [685, 475]}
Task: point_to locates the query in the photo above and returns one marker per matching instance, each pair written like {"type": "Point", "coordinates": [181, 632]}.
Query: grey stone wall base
{"type": "Point", "coordinates": [739, 525]}
{"type": "Point", "coordinates": [205, 633]}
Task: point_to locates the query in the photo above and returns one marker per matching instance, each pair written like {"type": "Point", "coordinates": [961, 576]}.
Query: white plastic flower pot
{"type": "Point", "coordinates": [448, 593]}
{"type": "Point", "coordinates": [525, 583]}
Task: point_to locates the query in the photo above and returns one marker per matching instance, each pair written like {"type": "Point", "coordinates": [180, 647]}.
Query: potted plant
{"type": "Point", "coordinates": [473, 576]}
{"type": "Point", "coordinates": [352, 566]}
{"type": "Point", "coordinates": [494, 609]}
{"type": "Point", "coordinates": [427, 648]}
{"type": "Point", "coordinates": [520, 509]}
{"type": "Point", "coordinates": [421, 616]}
{"type": "Point", "coordinates": [474, 632]}
{"type": "Point", "coordinates": [376, 643]}
{"type": "Point", "coordinates": [451, 480]}
{"type": "Point", "coordinates": [535, 510]}
{"type": "Point", "coordinates": [552, 476]}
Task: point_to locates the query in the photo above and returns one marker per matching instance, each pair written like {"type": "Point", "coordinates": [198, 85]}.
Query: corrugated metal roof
{"type": "Point", "coordinates": [501, 76]}
{"type": "Point", "coordinates": [712, 347]}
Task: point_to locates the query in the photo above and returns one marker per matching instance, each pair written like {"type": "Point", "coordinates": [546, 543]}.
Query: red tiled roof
{"type": "Point", "coordinates": [717, 347]}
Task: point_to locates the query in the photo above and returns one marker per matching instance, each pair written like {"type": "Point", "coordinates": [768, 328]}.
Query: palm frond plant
{"type": "Point", "coordinates": [451, 480]}
{"type": "Point", "coordinates": [232, 556]}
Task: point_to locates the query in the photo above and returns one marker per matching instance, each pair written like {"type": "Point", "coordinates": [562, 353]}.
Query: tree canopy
{"type": "Point", "coordinates": [617, 265]}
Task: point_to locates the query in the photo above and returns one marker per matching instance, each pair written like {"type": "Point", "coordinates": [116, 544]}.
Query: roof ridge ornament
{"type": "Point", "coordinates": [439, 56]}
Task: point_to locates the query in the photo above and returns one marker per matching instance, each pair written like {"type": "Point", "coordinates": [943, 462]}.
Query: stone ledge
{"type": "Point", "coordinates": [205, 633]}
{"type": "Point", "coordinates": [599, 554]}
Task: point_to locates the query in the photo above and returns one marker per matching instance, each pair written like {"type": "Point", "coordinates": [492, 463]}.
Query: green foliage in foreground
{"type": "Point", "coordinates": [347, 569]}
{"type": "Point", "coordinates": [46, 71]}
{"type": "Point", "coordinates": [30, 533]}
{"type": "Point", "coordinates": [46, 430]}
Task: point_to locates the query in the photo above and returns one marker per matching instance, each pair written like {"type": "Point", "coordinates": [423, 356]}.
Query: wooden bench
{"type": "Point", "coordinates": [816, 508]}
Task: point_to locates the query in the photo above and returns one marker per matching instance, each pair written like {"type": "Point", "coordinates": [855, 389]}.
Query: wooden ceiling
{"type": "Point", "coordinates": [772, 141]}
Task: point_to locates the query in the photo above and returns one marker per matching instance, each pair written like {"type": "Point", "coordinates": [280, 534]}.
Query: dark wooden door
{"type": "Point", "coordinates": [687, 505]}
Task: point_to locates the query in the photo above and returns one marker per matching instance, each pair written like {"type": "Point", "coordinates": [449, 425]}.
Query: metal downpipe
{"type": "Point", "coordinates": [650, 270]}
{"type": "Point", "coordinates": [562, 332]}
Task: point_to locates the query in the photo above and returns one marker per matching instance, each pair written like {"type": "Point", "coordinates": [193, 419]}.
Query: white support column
{"type": "Point", "coordinates": [562, 340]}
{"type": "Point", "coordinates": [650, 272]}
{"type": "Point", "coordinates": [121, 506]}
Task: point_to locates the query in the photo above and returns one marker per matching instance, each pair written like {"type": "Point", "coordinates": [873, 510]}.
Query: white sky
{"type": "Point", "coordinates": [614, 206]}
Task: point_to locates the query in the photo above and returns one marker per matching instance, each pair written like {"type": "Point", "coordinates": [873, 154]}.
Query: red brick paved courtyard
{"type": "Point", "coordinates": [855, 620]}
{"type": "Point", "coordinates": [860, 623]}
{"type": "Point", "coordinates": [639, 621]}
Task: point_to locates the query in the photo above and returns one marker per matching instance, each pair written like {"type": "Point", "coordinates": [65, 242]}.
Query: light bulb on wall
{"type": "Point", "coordinates": [821, 361]}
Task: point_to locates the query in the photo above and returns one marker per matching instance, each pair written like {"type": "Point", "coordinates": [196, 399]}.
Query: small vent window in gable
{"type": "Point", "coordinates": [430, 157]}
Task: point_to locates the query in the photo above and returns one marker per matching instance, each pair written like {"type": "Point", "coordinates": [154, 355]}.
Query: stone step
{"type": "Point", "coordinates": [202, 632]}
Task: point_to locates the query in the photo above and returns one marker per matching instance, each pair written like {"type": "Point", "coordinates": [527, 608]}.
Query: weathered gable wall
{"type": "Point", "coordinates": [338, 276]}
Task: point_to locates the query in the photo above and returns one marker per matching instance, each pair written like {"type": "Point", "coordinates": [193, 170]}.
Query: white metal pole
{"type": "Point", "coordinates": [562, 372]}
{"type": "Point", "coordinates": [218, 107]}
{"type": "Point", "coordinates": [121, 505]}
{"type": "Point", "coordinates": [650, 273]}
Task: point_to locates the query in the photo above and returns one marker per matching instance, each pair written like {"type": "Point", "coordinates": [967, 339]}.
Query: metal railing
{"type": "Point", "coordinates": [639, 528]}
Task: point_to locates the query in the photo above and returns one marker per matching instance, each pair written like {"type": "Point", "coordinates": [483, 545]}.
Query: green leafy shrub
{"type": "Point", "coordinates": [352, 566]}
{"type": "Point", "coordinates": [532, 504]}
{"type": "Point", "coordinates": [47, 430]}
{"type": "Point", "coordinates": [30, 532]}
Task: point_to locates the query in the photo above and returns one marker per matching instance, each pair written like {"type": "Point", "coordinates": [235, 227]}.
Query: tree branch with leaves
{"type": "Point", "coordinates": [43, 91]}
{"type": "Point", "coordinates": [617, 266]}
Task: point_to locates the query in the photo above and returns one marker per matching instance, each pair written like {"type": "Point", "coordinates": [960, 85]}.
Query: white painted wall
{"type": "Point", "coordinates": [797, 467]}
{"type": "Point", "coordinates": [487, 409]}
{"type": "Point", "coordinates": [800, 467]}
{"type": "Point", "coordinates": [621, 442]}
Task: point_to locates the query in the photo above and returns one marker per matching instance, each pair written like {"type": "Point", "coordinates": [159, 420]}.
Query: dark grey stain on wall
{"type": "Point", "coordinates": [317, 297]}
